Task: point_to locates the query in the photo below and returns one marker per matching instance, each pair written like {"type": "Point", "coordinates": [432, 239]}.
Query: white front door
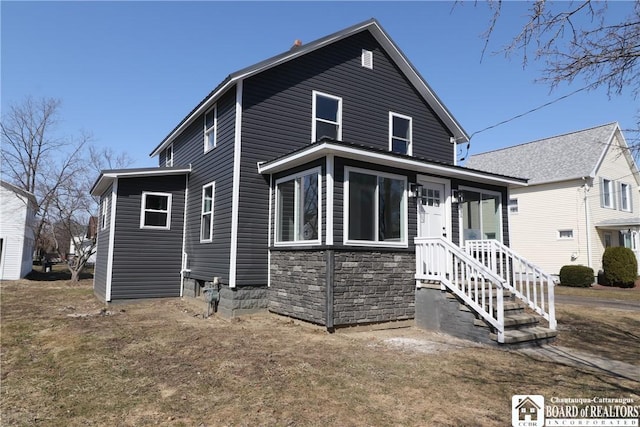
{"type": "Point", "coordinates": [432, 212]}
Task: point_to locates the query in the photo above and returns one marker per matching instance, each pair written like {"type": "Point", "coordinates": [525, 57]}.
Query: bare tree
{"type": "Point", "coordinates": [59, 171]}
{"type": "Point", "coordinates": [579, 40]}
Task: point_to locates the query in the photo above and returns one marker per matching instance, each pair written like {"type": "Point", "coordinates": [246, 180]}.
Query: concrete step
{"type": "Point", "coordinates": [531, 335]}
{"type": "Point", "coordinates": [513, 321]}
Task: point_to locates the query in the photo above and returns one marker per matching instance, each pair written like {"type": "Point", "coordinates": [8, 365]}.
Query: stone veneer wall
{"type": "Point", "coordinates": [233, 301]}
{"type": "Point", "coordinates": [372, 287]}
{"type": "Point", "coordinates": [363, 286]}
{"type": "Point", "coordinates": [298, 287]}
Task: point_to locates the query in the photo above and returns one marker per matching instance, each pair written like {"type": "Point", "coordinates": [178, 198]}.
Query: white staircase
{"type": "Point", "coordinates": [508, 295]}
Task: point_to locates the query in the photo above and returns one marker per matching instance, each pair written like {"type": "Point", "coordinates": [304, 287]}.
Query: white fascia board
{"type": "Point", "coordinates": [325, 148]}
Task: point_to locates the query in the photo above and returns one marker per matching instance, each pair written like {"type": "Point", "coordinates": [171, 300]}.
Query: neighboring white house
{"type": "Point", "coordinates": [582, 196]}
{"type": "Point", "coordinates": [17, 216]}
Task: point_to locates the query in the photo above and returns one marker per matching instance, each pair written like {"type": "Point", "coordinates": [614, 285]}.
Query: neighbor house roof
{"type": "Point", "coordinates": [559, 158]}
{"type": "Point", "coordinates": [371, 25]}
{"type": "Point", "coordinates": [29, 196]}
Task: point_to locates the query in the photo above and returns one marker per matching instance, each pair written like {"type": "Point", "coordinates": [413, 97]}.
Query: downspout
{"type": "Point", "coordinates": [587, 219]}
{"type": "Point", "coordinates": [183, 270]}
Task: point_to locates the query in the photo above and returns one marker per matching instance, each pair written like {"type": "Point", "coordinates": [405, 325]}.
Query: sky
{"type": "Point", "coordinates": [129, 72]}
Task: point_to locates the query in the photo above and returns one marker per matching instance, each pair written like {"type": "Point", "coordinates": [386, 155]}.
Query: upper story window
{"type": "Point", "coordinates": [298, 208]}
{"type": "Point", "coordinates": [327, 117]}
{"type": "Point", "coordinates": [513, 206]}
{"type": "Point", "coordinates": [156, 210]}
{"type": "Point", "coordinates": [168, 161]}
{"type": "Point", "coordinates": [606, 192]}
{"type": "Point", "coordinates": [625, 197]}
{"type": "Point", "coordinates": [376, 208]}
{"type": "Point", "coordinates": [210, 128]}
{"type": "Point", "coordinates": [206, 219]}
{"type": "Point", "coordinates": [400, 133]}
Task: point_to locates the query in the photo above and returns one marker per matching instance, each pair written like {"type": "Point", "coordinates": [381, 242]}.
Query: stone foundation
{"type": "Point", "coordinates": [233, 301]}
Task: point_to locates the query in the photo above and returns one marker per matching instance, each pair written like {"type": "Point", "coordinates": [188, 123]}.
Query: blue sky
{"type": "Point", "coordinates": [128, 72]}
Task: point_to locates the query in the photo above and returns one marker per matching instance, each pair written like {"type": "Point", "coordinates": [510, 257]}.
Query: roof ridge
{"type": "Point", "coordinates": [545, 139]}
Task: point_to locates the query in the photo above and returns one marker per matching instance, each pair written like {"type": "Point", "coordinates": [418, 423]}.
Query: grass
{"type": "Point", "coordinates": [628, 294]}
{"type": "Point", "coordinates": [66, 361]}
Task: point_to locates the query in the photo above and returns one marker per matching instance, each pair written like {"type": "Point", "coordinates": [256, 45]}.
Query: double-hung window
{"type": "Point", "coordinates": [210, 128]}
{"type": "Point", "coordinates": [376, 208]}
{"type": "Point", "coordinates": [607, 193]}
{"type": "Point", "coordinates": [206, 219]}
{"type": "Point", "coordinates": [168, 161]}
{"type": "Point", "coordinates": [625, 197]}
{"type": "Point", "coordinates": [103, 213]}
{"type": "Point", "coordinates": [400, 133]}
{"type": "Point", "coordinates": [298, 208]}
{"type": "Point", "coordinates": [327, 117]}
{"type": "Point", "coordinates": [156, 210]}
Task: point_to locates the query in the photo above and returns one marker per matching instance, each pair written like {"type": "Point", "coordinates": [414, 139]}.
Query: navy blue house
{"type": "Point", "coordinates": [299, 183]}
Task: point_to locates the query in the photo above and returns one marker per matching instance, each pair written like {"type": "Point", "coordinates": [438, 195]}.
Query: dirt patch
{"type": "Point", "coordinates": [159, 362]}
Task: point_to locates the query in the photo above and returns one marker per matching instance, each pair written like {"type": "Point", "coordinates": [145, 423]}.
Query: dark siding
{"type": "Point", "coordinates": [277, 107]}
{"type": "Point", "coordinates": [207, 260]}
{"type": "Point", "coordinates": [146, 262]}
{"type": "Point", "coordinates": [102, 250]}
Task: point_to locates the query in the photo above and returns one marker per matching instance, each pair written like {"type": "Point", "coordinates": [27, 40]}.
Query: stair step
{"type": "Point", "coordinates": [513, 321]}
{"type": "Point", "coordinates": [515, 336]}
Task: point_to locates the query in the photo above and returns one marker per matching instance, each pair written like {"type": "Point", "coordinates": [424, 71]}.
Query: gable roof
{"type": "Point", "coordinates": [563, 157]}
{"type": "Point", "coordinates": [373, 27]}
{"type": "Point", "coordinates": [24, 193]}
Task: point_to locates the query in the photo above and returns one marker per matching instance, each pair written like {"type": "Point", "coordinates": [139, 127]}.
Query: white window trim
{"type": "Point", "coordinates": [143, 209]}
{"type": "Point", "coordinates": [481, 191]}
{"type": "Point", "coordinates": [404, 243]}
{"type": "Point", "coordinates": [611, 187]}
{"type": "Point", "coordinates": [318, 171]}
{"type": "Point", "coordinates": [213, 129]}
{"type": "Point", "coordinates": [315, 94]}
{"type": "Point", "coordinates": [168, 160]}
{"type": "Point", "coordinates": [560, 231]}
{"type": "Point", "coordinates": [622, 186]}
{"type": "Point", "coordinates": [202, 213]}
{"type": "Point", "coordinates": [103, 213]}
{"type": "Point", "coordinates": [410, 142]}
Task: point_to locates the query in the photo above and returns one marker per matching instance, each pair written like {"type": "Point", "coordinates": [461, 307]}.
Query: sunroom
{"type": "Point", "coordinates": [342, 224]}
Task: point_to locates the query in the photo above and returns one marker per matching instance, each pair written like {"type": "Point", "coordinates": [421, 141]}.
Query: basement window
{"type": "Point", "coordinates": [565, 234]}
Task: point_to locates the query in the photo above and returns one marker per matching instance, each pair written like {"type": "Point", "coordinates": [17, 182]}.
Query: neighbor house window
{"type": "Point", "coordinates": [298, 208]}
{"type": "Point", "coordinates": [168, 161]}
{"type": "Point", "coordinates": [400, 133]}
{"type": "Point", "coordinates": [327, 116]}
{"type": "Point", "coordinates": [607, 240]}
{"type": "Point", "coordinates": [625, 197]}
{"type": "Point", "coordinates": [607, 193]}
{"type": "Point", "coordinates": [376, 208]}
{"type": "Point", "coordinates": [565, 234]}
{"type": "Point", "coordinates": [210, 127]}
{"type": "Point", "coordinates": [103, 213]}
{"type": "Point", "coordinates": [513, 206]}
{"type": "Point", "coordinates": [206, 219]}
{"type": "Point", "coordinates": [156, 210]}
{"type": "Point", "coordinates": [481, 215]}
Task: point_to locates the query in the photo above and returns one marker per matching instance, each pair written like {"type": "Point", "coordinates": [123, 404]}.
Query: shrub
{"type": "Point", "coordinates": [576, 276]}
{"type": "Point", "coordinates": [620, 267]}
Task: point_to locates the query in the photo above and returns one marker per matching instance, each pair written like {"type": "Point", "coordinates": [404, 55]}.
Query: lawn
{"type": "Point", "coordinates": [67, 360]}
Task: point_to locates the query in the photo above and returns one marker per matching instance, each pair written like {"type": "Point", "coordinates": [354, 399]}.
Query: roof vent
{"type": "Point", "coordinates": [296, 44]}
{"type": "Point", "coordinates": [367, 59]}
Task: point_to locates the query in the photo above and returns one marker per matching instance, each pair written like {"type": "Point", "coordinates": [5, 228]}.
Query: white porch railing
{"type": "Point", "coordinates": [480, 288]}
{"type": "Point", "coordinates": [524, 279]}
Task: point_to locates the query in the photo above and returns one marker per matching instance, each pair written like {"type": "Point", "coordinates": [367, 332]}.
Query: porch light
{"type": "Point", "coordinates": [457, 196]}
{"type": "Point", "coordinates": [415, 190]}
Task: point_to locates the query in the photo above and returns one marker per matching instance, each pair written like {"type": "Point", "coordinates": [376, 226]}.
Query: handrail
{"type": "Point", "coordinates": [476, 284]}
{"type": "Point", "coordinates": [524, 279]}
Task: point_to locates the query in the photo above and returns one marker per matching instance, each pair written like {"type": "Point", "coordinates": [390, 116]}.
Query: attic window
{"type": "Point", "coordinates": [367, 59]}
